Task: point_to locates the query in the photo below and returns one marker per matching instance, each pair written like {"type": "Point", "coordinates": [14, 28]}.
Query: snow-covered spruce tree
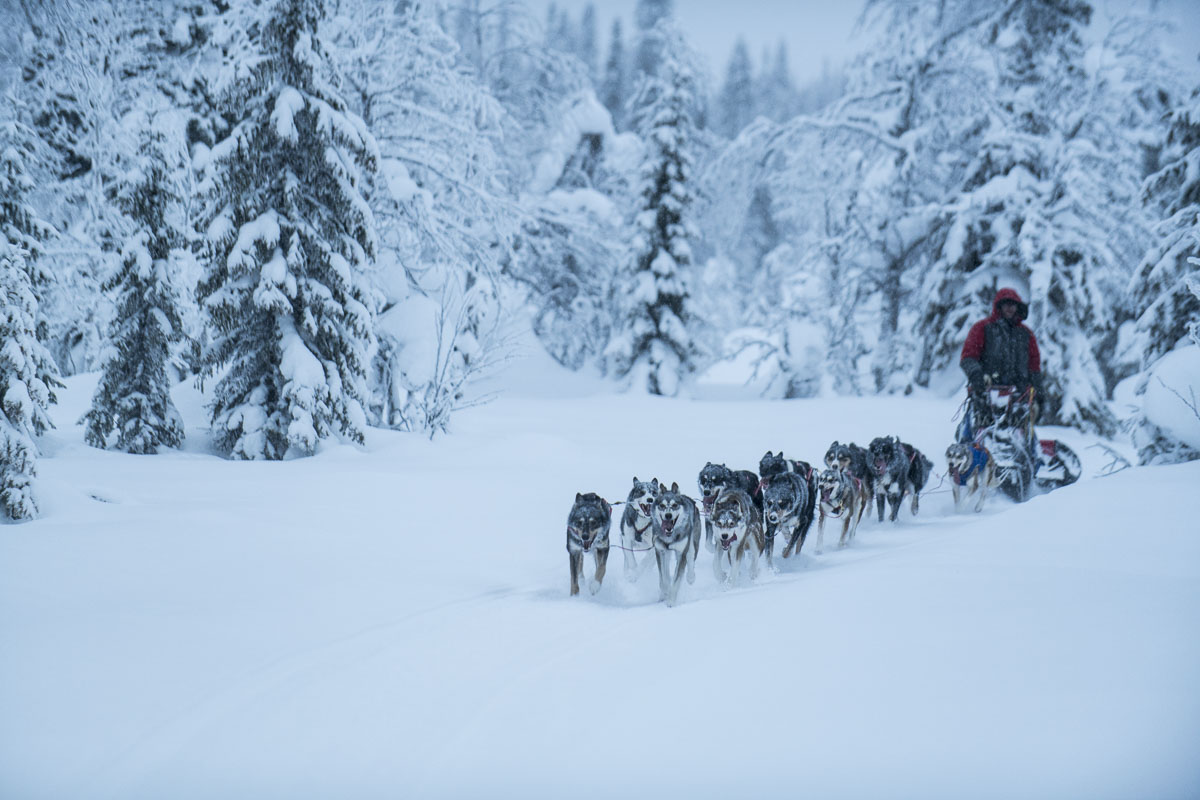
{"type": "Point", "coordinates": [1165, 289]}
{"type": "Point", "coordinates": [653, 344]}
{"type": "Point", "coordinates": [1044, 208]}
{"type": "Point", "coordinates": [132, 408]}
{"type": "Point", "coordinates": [614, 86]}
{"type": "Point", "coordinates": [736, 106]}
{"type": "Point", "coordinates": [289, 238]}
{"type": "Point", "coordinates": [86, 67]}
{"type": "Point", "coordinates": [24, 229]}
{"type": "Point", "coordinates": [20, 222]}
{"type": "Point", "coordinates": [648, 47]}
{"type": "Point", "coordinates": [1158, 292]}
{"type": "Point", "coordinates": [24, 396]}
{"type": "Point", "coordinates": [587, 46]}
{"type": "Point", "coordinates": [439, 133]}
{"type": "Point", "coordinates": [775, 94]}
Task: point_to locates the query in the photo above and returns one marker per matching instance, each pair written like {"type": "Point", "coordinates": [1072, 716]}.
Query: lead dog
{"type": "Point", "coordinates": [900, 469]}
{"type": "Point", "coordinates": [841, 497]}
{"type": "Point", "coordinates": [636, 536]}
{"type": "Point", "coordinates": [676, 525]}
{"type": "Point", "coordinates": [795, 504]}
{"type": "Point", "coordinates": [972, 471]}
{"type": "Point", "coordinates": [588, 525]}
{"type": "Point", "coordinates": [715, 477]}
{"type": "Point", "coordinates": [737, 529]}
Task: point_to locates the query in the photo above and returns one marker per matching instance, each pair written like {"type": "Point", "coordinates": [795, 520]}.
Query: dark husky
{"type": "Point", "coordinates": [851, 458]}
{"type": "Point", "coordinates": [635, 526]}
{"type": "Point", "coordinates": [899, 469]}
{"type": "Point", "coordinates": [676, 525]}
{"type": "Point", "coordinates": [795, 504]}
{"type": "Point", "coordinates": [738, 529]}
{"type": "Point", "coordinates": [841, 497]}
{"type": "Point", "coordinates": [715, 477]}
{"type": "Point", "coordinates": [587, 531]}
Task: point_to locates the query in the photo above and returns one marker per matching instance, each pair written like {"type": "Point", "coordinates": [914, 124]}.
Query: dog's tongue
{"type": "Point", "coordinates": [727, 543]}
{"type": "Point", "coordinates": [669, 524]}
{"type": "Point", "coordinates": [708, 501]}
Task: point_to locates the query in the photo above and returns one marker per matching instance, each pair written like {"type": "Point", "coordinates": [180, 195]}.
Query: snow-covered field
{"type": "Point", "coordinates": [393, 622]}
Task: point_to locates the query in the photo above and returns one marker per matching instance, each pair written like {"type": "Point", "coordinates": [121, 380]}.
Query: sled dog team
{"type": "Point", "coordinates": [741, 512]}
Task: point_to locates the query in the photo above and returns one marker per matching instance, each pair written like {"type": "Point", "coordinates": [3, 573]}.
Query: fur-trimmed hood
{"type": "Point", "coordinates": [1010, 294]}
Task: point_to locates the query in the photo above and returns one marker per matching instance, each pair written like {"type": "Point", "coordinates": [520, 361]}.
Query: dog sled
{"type": "Point", "coordinates": [1001, 420]}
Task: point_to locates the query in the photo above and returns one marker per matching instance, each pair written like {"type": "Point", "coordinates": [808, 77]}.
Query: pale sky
{"type": "Point", "coordinates": [816, 30]}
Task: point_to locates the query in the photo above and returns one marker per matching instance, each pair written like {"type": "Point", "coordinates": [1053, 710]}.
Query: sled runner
{"type": "Point", "coordinates": [1001, 420]}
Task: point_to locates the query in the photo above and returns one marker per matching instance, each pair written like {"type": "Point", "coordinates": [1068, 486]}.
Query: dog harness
{"type": "Point", "coordinates": [979, 458]}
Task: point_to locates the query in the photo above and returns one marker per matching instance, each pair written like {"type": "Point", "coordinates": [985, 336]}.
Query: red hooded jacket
{"type": "Point", "coordinates": [1004, 350]}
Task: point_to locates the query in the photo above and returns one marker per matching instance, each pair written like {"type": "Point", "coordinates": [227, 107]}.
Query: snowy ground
{"type": "Point", "coordinates": [394, 622]}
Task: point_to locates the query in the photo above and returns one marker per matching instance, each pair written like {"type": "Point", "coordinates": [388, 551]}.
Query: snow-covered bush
{"type": "Point", "coordinates": [290, 237]}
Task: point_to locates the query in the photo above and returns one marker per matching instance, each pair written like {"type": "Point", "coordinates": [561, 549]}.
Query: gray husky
{"type": "Point", "coordinates": [788, 502]}
{"type": "Point", "coordinates": [844, 498]}
{"type": "Point", "coordinates": [715, 477]}
{"type": "Point", "coordinates": [972, 471]}
{"type": "Point", "coordinates": [676, 525]}
{"type": "Point", "coordinates": [587, 531]}
{"type": "Point", "coordinates": [636, 535]}
{"type": "Point", "coordinates": [737, 528]}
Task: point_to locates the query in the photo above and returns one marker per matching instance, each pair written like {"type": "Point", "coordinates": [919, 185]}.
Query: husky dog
{"type": "Point", "coordinates": [788, 504]}
{"type": "Point", "coordinates": [676, 525]}
{"type": "Point", "coordinates": [972, 472]}
{"type": "Point", "coordinates": [919, 470]}
{"type": "Point", "coordinates": [715, 477]}
{"type": "Point", "coordinates": [587, 531]}
{"type": "Point", "coordinates": [843, 497]}
{"type": "Point", "coordinates": [900, 469]}
{"type": "Point", "coordinates": [851, 458]}
{"type": "Point", "coordinates": [738, 528]}
{"type": "Point", "coordinates": [796, 504]}
{"type": "Point", "coordinates": [635, 526]}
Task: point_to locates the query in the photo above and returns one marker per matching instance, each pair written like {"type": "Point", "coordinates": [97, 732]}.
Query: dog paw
{"type": "Point", "coordinates": [593, 585]}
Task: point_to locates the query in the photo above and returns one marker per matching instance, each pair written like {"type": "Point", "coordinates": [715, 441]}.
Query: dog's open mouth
{"type": "Point", "coordinates": [728, 543]}
{"type": "Point", "coordinates": [708, 501]}
{"type": "Point", "coordinates": [668, 524]}
{"type": "Point", "coordinates": [881, 467]}
{"type": "Point", "coordinates": [645, 507]}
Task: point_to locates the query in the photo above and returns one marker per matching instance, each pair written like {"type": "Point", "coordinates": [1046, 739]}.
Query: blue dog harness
{"type": "Point", "coordinates": [979, 457]}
